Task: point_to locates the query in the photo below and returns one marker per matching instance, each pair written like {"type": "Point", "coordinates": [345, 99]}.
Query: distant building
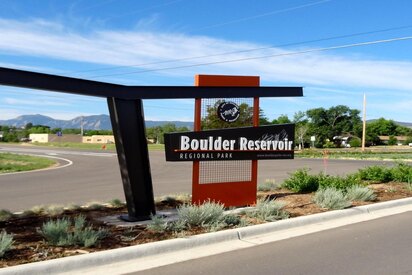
{"type": "Point", "coordinates": [45, 138]}
{"type": "Point", "coordinates": [99, 139]}
{"type": "Point", "coordinates": [385, 139]}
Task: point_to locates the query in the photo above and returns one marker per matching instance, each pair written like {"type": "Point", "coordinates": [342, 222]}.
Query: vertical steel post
{"type": "Point", "coordinates": [128, 124]}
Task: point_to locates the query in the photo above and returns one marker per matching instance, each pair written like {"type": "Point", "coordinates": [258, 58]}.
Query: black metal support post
{"type": "Point", "coordinates": [128, 124]}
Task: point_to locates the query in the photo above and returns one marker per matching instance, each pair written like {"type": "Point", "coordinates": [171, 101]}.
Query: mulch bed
{"type": "Point", "coordinates": [29, 245]}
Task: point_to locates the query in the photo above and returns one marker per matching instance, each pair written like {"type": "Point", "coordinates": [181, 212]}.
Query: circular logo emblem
{"type": "Point", "coordinates": [228, 111]}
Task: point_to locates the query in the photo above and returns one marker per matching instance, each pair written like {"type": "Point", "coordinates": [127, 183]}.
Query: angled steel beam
{"type": "Point", "coordinates": [40, 81]}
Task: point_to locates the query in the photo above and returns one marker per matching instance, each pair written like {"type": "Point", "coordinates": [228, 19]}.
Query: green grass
{"type": "Point", "coordinates": [93, 146]}
{"type": "Point", "coordinates": [378, 153]}
{"type": "Point", "coordinates": [77, 145]}
{"type": "Point", "coordinates": [16, 163]}
{"type": "Point", "coordinates": [156, 147]}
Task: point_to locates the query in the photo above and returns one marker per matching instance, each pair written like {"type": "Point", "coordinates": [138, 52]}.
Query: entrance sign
{"type": "Point", "coordinates": [126, 113]}
{"type": "Point", "coordinates": [230, 182]}
{"type": "Point", "coordinates": [247, 143]}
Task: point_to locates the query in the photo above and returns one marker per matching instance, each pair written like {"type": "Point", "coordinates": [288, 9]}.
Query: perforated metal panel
{"type": "Point", "coordinates": [225, 171]}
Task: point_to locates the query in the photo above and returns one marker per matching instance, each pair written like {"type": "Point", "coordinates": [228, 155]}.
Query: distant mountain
{"type": "Point", "coordinates": [153, 123]}
{"type": "Point", "coordinates": [406, 124]}
{"type": "Point", "coordinates": [95, 122]}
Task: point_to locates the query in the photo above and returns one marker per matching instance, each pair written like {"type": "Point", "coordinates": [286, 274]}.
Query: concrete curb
{"type": "Point", "coordinates": [81, 262]}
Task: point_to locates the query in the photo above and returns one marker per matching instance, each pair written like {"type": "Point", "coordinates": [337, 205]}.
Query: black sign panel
{"type": "Point", "coordinates": [246, 143]}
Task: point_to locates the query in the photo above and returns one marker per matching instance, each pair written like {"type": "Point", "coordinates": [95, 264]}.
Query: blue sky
{"type": "Point", "coordinates": [322, 45]}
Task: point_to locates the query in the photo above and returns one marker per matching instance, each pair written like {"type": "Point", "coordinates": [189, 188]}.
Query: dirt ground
{"type": "Point", "coordinates": [29, 245]}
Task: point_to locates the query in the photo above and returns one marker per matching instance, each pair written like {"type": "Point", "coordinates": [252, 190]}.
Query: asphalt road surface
{"type": "Point", "coordinates": [87, 176]}
{"type": "Point", "coordinates": [381, 246]}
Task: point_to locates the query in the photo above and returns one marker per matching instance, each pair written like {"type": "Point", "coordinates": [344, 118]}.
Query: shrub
{"type": "Point", "coordinates": [375, 173]}
{"type": "Point", "coordinates": [329, 144]}
{"type": "Point", "coordinates": [37, 210]}
{"type": "Point", "coordinates": [269, 210]}
{"type": "Point", "coordinates": [95, 206]}
{"type": "Point", "coordinates": [215, 226]}
{"type": "Point", "coordinates": [392, 140]}
{"type": "Point", "coordinates": [197, 215]}
{"type": "Point", "coordinates": [5, 215]}
{"type": "Point", "coordinates": [231, 219]}
{"type": "Point", "coordinates": [408, 140]}
{"type": "Point", "coordinates": [158, 224]}
{"type": "Point", "coordinates": [6, 241]}
{"type": "Point", "coordinates": [53, 210]}
{"type": "Point", "coordinates": [409, 185]}
{"type": "Point", "coordinates": [73, 207]}
{"type": "Point", "coordinates": [355, 142]}
{"type": "Point", "coordinates": [54, 231]}
{"type": "Point", "coordinates": [337, 182]}
{"type": "Point", "coordinates": [174, 199]}
{"type": "Point", "coordinates": [359, 193]}
{"type": "Point", "coordinates": [402, 172]}
{"type": "Point", "coordinates": [268, 185]}
{"type": "Point", "coordinates": [116, 203]}
{"type": "Point", "coordinates": [300, 181]}
{"type": "Point", "coordinates": [64, 232]}
{"type": "Point", "coordinates": [167, 199]}
{"type": "Point", "coordinates": [177, 226]}
{"type": "Point", "coordinates": [331, 198]}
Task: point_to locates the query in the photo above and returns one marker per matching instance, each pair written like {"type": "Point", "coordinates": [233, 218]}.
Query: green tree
{"type": "Point", "coordinates": [263, 120]}
{"type": "Point", "coordinates": [55, 130]}
{"type": "Point", "coordinates": [39, 129]}
{"type": "Point", "coordinates": [74, 131]}
{"type": "Point", "coordinates": [98, 132]}
{"type": "Point", "coordinates": [212, 121]}
{"type": "Point", "coordinates": [157, 133]}
{"type": "Point", "coordinates": [384, 127]}
{"type": "Point", "coordinates": [282, 119]}
{"type": "Point", "coordinates": [301, 128]}
{"type": "Point", "coordinates": [335, 121]}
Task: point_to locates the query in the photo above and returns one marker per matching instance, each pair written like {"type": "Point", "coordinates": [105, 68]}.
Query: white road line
{"type": "Point", "coordinates": [69, 163]}
{"type": "Point", "coordinates": [58, 152]}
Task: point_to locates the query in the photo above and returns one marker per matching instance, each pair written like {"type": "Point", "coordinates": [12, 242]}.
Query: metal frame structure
{"type": "Point", "coordinates": [228, 193]}
{"type": "Point", "coordinates": [127, 117]}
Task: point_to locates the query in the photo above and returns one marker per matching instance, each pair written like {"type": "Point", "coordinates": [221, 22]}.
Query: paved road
{"type": "Point", "coordinates": [95, 176]}
{"type": "Point", "coordinates": [381, 246]}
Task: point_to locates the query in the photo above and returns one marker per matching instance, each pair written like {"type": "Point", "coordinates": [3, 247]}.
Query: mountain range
{"type": "Point", "coordinates": [95, 122]}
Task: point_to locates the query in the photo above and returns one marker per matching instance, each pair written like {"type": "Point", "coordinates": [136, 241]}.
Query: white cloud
{"type": "Point", "coordinates": [10, 113]}
{"type": "Point", "coordinates": [6, 113]}
{"type": "Point", "coordinates": [15, 101]}
{"type": "Point", "coordinates": [330, 78]}
{"type": "Point", "coordinates": [48, 39]}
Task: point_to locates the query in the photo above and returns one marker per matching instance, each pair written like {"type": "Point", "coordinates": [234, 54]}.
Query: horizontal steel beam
{"type": "Point", "coordinates": [63, 84]}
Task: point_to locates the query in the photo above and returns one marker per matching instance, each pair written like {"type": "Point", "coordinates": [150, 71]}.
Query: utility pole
{"type": "Point", "coordinates": [81, 126]}
{"type": "Point", "coordinates": [364, 123]}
